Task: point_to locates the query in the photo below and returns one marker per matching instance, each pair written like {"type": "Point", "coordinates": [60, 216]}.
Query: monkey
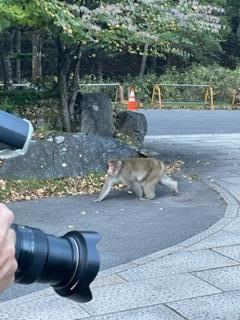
{"type": "Point", "coordinates": [141, 174]}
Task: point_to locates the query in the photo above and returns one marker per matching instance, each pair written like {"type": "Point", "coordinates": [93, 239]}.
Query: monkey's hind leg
{"type": "Point", "coordinates": [149, 184]}
{"type": "Point", "coordinates": [149, 189]}
{"type": "Point", "coordinates": [137, 188]}
{"type": "Point", "coordinates": [170, 183]}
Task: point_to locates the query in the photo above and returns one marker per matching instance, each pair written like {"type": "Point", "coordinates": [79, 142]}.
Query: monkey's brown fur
{"type": "Point", "coordinates": [140, 174]}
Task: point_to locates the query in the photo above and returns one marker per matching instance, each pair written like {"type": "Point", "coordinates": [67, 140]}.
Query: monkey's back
{"type": "Point", "coordinates": [136, 169]}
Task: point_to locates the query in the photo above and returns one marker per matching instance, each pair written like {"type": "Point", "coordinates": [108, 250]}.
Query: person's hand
{"type": "Point", "coordinates": [8, 263]}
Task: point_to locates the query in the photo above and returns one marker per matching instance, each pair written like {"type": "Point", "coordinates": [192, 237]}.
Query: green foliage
{"type": "Point", "coordinates": [231, 43]}
{"type": "Point", "coordinates": [143, 86]}
{"type": "Point", "coordinates": [114, 26]}
{"type": "Point", "coordinates": [20, 97]}
{"type": "Point", "coordinates": [166, 27]}
{"type": "Point", "coordinates": [222, 80]}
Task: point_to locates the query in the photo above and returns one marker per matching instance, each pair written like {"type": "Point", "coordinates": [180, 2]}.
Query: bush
{"type": "Point", "coordinates": [222, 80]}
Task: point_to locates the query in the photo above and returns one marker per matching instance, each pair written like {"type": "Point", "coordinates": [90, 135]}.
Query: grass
{"type": "Point", "coordinates": [17, 190]}
{"type": "Point", "coordinates": [32, 189]}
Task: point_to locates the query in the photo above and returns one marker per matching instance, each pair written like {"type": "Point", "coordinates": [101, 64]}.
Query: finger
{"type": "Point", "coordinates": [6, 282]}
{"type": "Point", "coordinates": [7, 248]}
{"type": "Point", "coordinates": [6, 219]}
{"type": "Point", "coordinates": [8, 268]}
{"type": "Point", "coordinates": [6, 216]}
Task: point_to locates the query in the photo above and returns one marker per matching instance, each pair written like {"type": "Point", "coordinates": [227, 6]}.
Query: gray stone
{"type": "Point", "coordinates": [93, 114]}
{"type": "Point", "coordinates": [217, 307]}
{"type": "Point", "coordinates": [133, 124]}
{"type": "Point", "coordinates": [121, 297]}
{"type": "Point", "coordinates": [158, 312]}
{"type": "Point", "coordinates": [107, 280]}
{"type": "Point", "coordinates": [109, 299]}
{"type": "Point", "coordinates": [176, 263]}
{"type": "Point", "coordinates": [226, 279]}
{"type": "Point", "coordinates": [27, 297]}
{"type": "Point", "coordinates": [219, 225]}
{"type": "Point", "coordinates": [232, 210]}
{"type": "Point", "coordinates": [232, 186]}
{"type": "Point", "coordinates": [220, 239]}
{"type": "Point", "coordinates": [234, 226]}
{"type": "Point", "coordinates": [121, 267]}
{"type": "Point", "coordinates": [65, 155]}
{"type": "Point", "coordinates": [51, 307]}
{"type": "Point", "coordinates": [232, 252]}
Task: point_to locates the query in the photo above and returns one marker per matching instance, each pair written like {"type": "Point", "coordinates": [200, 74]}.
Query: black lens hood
{"type": "Point", "coordinates": [87, 266]}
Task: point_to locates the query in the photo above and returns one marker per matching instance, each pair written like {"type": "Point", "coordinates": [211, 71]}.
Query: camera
{"type": "Point", "coordinates": [68, 263]}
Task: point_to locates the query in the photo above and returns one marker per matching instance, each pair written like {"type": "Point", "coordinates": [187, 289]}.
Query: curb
{"type": "Point", "coordinates": [232, 211]}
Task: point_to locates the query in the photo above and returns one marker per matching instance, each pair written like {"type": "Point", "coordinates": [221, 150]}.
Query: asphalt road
{"type": "Point", "coordinates": [131, 228]}
{"type": "Point", "coordinates": [182, 121]}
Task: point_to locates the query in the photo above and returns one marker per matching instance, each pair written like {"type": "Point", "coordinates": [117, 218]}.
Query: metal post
{"type": "Point", "coordinates": [157, 90]}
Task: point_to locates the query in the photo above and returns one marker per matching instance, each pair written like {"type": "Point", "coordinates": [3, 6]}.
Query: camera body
{"type": "Point", "coordinates": [68, 263]}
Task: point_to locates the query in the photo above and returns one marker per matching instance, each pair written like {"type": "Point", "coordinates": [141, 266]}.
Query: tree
{"type": "Point", "coordinates": [231, 43]}
{"type": "Point", "coordinates": [5, 49]}
{"type": "Point", "coordinates": [76, 26]}
{"type": "Point", "coordinates": [36, 55]}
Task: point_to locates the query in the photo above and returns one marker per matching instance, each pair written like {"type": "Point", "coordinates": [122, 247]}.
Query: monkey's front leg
{"type": "Point", "coordinates": [137, 188]}
{"type": "Point", "coordinates": [106, 188]}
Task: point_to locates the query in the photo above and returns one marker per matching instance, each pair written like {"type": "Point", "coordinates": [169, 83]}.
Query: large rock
{"type": "Point", "coordinates": [94, 114]}
{"type": "Point", "coordinates": [133, 124]}
{"type": "Point", "coordinates": [68, 154]}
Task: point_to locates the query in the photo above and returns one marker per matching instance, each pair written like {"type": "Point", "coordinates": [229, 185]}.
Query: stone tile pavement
{"type": "Point", "coordinates": [196, 279]}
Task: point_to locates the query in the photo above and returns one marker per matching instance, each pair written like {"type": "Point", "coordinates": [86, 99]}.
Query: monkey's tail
{"type": "Point", "coordinates": [169, 182]}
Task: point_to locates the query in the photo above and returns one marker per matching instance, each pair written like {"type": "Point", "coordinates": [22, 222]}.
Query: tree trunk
{"type": "Point", "coordinates": [7, 71]}
{"type": "Point", "coordinates": [68, 88]}
{"type": "Point", "coordinates": [63, 88]}
{"type": "Point", "coordinates": [100, 68]}
{"type": "Point", "coordinates": [144, 60]}
{"type": "Point", "coordinates": [153, 64]}
{"type": "Point", "coordinates": [169, 61]}
{"type": "Point", "coordinates": [36, 56]}
{"type": "Point", "coordinates": [18, 61]}
{"type": "Point", "coordinates": [63, 71]}
{"type": "Point", "coordinates": [75, 87]}
{"type": "Point", "coordinates": [5, 49]}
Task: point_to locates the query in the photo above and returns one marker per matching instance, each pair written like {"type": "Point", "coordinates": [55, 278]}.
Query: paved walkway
{"type": "Point", "coordinates": [196, 279]}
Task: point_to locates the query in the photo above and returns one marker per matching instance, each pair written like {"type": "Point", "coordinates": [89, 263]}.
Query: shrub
{"type": "Point", "coordinates": [222, 80]}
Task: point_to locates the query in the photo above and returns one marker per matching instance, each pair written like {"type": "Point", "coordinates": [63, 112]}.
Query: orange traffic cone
{"type": "Point", "coordinates": [132, 103]}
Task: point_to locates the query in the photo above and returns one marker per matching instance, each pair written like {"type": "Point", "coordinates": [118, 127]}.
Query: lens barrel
{"type": "Point", "coordinates": [13, 130]}
{"type": "Point", "coordinates": [68, 263]}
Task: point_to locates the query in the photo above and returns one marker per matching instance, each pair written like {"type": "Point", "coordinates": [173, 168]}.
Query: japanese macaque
{"type": "Point", "coordinates": [141, 174]}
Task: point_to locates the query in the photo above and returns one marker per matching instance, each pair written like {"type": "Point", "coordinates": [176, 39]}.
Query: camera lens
{"type": "Point", "coordinates": [68, 263]}
{"type": "Point", "coordinates": [13, 130]}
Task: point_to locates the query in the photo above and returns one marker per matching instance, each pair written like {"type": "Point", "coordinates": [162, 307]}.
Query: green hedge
{"type": "Point", "coordinates": [222, 80]}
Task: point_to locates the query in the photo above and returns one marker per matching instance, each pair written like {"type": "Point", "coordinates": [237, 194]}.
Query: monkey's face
{"type": "Point", "coordinates": [114, 167]}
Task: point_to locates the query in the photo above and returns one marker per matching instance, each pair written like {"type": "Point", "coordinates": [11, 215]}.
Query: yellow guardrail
{"type": "Point", "coordinates": [157, 95]}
